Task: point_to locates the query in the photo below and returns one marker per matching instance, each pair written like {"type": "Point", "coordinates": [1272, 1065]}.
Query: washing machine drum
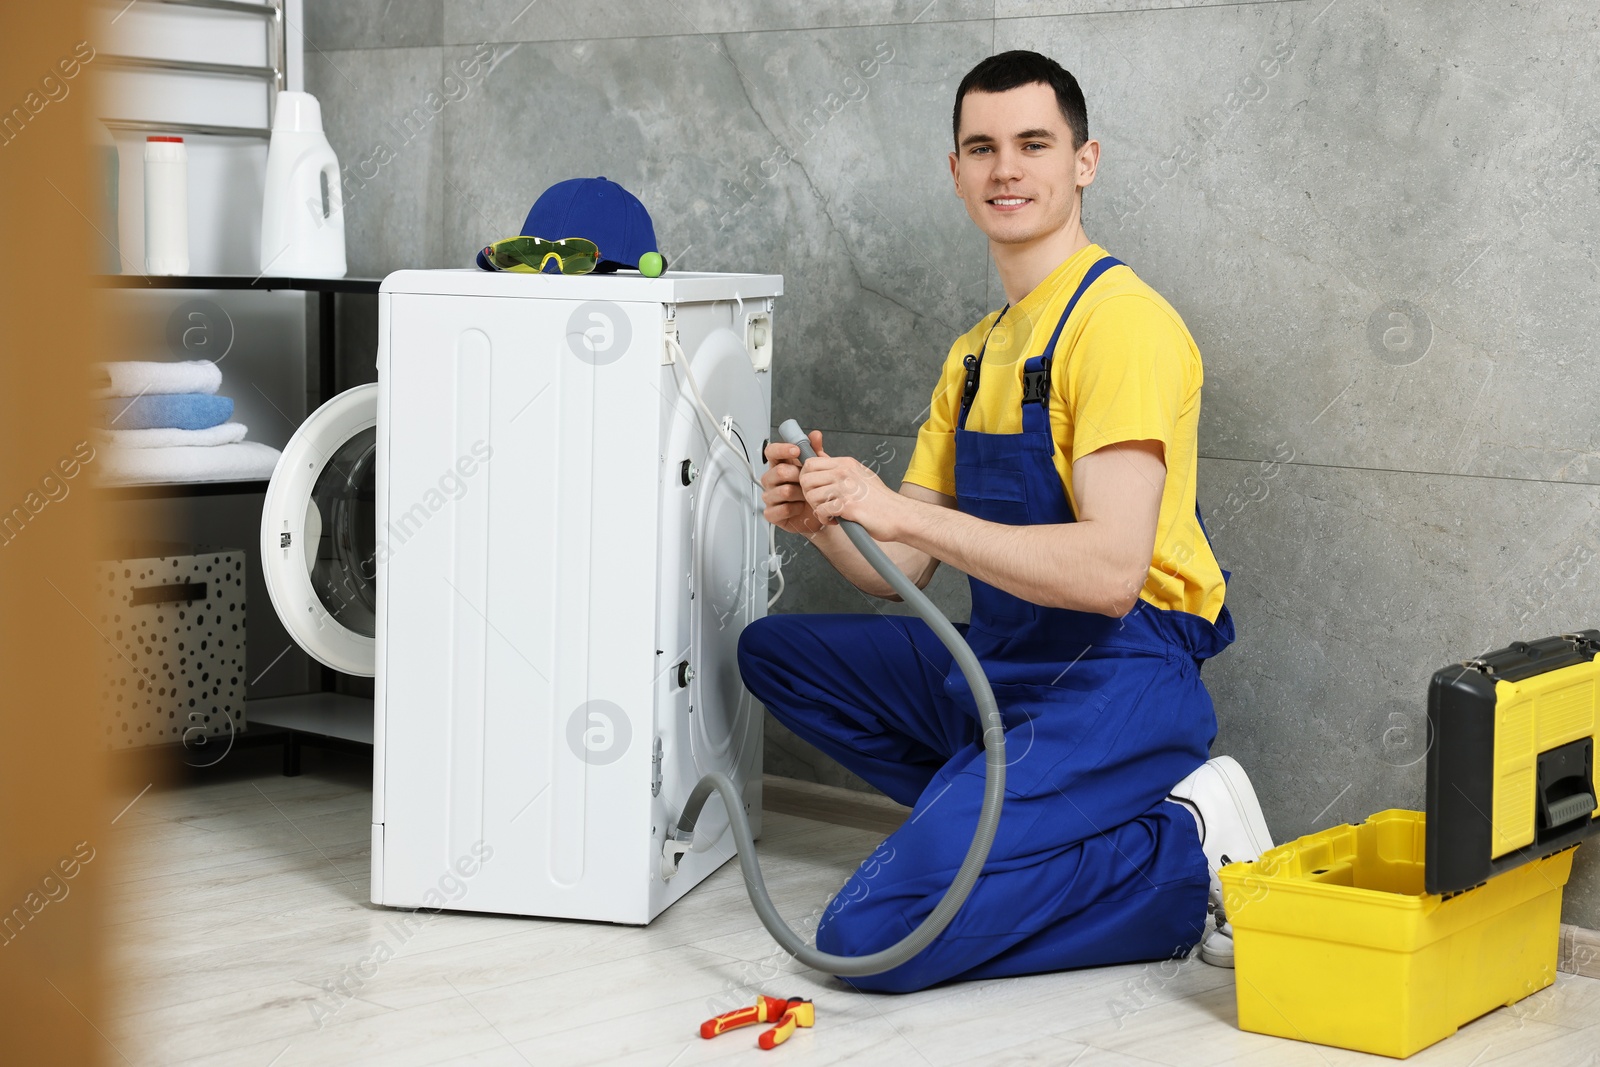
{"type": "Point", "coordinates": [319, 533]}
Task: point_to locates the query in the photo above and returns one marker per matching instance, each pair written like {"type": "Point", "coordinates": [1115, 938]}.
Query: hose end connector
{"type": "Point", "coordinates": [672, 851]}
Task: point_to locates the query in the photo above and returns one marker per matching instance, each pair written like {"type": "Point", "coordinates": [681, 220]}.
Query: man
{"type": "Point", "coordinates": [1057, 469]}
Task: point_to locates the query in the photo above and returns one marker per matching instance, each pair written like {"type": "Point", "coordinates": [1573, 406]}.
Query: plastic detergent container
{"type": "Point", "coordinates": [166, 206]}
{"type": "Point", "coordinates": [302, 216]}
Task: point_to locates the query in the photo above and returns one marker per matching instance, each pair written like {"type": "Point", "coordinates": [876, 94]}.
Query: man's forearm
{"type": "Point", "coordinates": [835, 546]}
{"type": "Point", "coordinates": [1084, 566]}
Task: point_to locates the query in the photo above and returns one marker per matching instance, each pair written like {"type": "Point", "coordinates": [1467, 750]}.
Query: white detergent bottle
{"type": "Point", "coordinates": [166, 206]}
{"type": "Point", "coordinates": [302, 218]}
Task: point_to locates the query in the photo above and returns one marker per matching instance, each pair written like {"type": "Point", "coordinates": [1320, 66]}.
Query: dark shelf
{"type": "Point", "coordinates": [236, 281]}
{"type": "Point", "coordinates": [160, 490]}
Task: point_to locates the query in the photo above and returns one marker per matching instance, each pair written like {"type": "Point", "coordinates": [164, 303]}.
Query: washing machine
{"type": "Point", "coordinates": [539, 533]}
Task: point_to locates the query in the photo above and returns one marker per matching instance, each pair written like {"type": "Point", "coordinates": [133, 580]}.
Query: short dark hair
{"type": "Point", "coordinates": [1011, 70]}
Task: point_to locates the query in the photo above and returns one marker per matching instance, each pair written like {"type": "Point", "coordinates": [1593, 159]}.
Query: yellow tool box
{"type": "Point", "coordinates": [1391, 934]}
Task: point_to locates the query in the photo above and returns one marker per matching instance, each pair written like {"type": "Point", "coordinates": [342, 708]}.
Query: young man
{"type": "Point", "coordinates": [1057, 469]}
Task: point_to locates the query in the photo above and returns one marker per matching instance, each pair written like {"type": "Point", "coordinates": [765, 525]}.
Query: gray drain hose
{"type": "Point", "coordinates": [994, 786]}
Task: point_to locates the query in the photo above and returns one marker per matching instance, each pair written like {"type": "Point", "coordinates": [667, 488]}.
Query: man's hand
{"type": "Point", "coordinates": [841, 487]}
{"type": "Point", "coordinates": [786, 506]}
{"type": "Point", "coordinates": [811, 502]}
{"type": "Point", "coordinates": [829, 488]}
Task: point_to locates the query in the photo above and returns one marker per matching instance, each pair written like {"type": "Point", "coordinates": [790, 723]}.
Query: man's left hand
{"type": "Point", "coordinates": [840, 487]}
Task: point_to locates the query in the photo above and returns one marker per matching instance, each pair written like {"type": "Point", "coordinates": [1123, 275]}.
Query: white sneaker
{"type": "Point", "coordinates": [1232, 829]}
{"type": "Point", "coordinates": [1216, 948]}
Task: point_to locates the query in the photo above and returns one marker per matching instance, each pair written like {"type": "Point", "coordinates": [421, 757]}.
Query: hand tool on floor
{"type": "Point", "coordinates": [765, 1010]}
{"type": "Point", "coordinates": [800, 1013]}
{"type": "Point", "coordinates": [789, 1013]}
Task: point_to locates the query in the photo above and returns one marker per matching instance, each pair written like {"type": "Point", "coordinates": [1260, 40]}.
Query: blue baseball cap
{"type": "Point", "coordinates": [600, 211]}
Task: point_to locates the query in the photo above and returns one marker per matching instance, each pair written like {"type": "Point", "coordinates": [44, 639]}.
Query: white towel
{"type": "Point", "coordinates": [131, 378]}
{"type": "Point", "coordinates": [240, 461]}
{"type": "Point", "coordinates": [163, 437]}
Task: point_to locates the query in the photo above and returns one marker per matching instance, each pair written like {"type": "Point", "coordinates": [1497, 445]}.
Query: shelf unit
{"type": "Point", "coordinates": [155, 490]}
{"type": "Point", "coordinates": [264, 282]}
{"type": "Point", "coordinates": [327, 341]}
{"type": "Point", "coordinates": [324, 718]}
{"type": "Point", "coordinates": [327, 290]}
{"type": "Point", "coordinates": [321, 719]}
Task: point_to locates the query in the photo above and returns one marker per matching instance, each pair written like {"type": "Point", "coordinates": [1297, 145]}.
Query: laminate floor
{"type": "Point", "coordinates": [244, 936]}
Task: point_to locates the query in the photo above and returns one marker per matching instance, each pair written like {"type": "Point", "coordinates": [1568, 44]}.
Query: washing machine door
{"type": "Point", "coordinates": [319, 533]}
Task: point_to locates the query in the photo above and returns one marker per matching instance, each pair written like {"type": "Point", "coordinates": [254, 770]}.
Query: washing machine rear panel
{"type": "Point", "coordinates": [713, 580]}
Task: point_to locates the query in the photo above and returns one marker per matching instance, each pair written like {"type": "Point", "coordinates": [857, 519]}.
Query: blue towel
{"type": "Point", "coordinates": [175, 411]}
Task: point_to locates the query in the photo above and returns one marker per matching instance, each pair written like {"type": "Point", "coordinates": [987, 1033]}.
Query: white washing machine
{"type": "Point", "coordinates": [532, 536]}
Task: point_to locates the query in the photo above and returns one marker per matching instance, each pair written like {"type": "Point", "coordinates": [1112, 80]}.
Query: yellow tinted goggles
{"type": "Point", "coordinates": [530, 255]}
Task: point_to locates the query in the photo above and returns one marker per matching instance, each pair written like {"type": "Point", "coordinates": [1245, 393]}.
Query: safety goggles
{"type": "Point", "coordinates": [530, 255]}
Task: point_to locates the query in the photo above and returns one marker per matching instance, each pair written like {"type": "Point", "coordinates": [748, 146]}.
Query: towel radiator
{"type": "Point", "coordinates": [275, 74]}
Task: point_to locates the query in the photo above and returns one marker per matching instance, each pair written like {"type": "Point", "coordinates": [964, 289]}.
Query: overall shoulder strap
{"type": "Point", "coordinates": [974, 365]}
{"type": "Point", "coordinates": [1036, 371]}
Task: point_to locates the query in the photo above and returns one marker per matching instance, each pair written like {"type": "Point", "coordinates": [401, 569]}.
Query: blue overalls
{"type": "Point", "coordinates": [1103, 716]}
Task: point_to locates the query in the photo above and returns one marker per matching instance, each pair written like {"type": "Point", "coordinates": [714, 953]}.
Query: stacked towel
{"type": "Point", "coordinates": [134, 378]}
{"type": "Point", "coordinates": [160, 437]}
{"type": "Point", "coordinates": [162, 422]}
{"type": "Point", "coordinates": [241, 461]}
{"type": "Point", "coordinates": [165, 411]}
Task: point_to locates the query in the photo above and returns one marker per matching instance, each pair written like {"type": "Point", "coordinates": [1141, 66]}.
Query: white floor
{"type": "Point", "coordinates": [245, 937]}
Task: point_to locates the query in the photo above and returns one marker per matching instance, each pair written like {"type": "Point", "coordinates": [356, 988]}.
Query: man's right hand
{"type": "Point", "coordinates": [786, 506]}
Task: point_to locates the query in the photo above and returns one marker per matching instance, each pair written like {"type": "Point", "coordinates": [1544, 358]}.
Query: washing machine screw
{"type": "Point", "coordinates": [685, 674]}
{"type": "Point", "coordinates": [688, 472]}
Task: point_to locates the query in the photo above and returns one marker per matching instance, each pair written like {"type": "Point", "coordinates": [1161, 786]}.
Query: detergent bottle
{"type": "Point", "coordinates": [302, 218]}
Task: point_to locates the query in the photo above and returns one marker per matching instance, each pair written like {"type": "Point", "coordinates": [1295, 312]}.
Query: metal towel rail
{"type": "Point", "coordinates": [274, 74]}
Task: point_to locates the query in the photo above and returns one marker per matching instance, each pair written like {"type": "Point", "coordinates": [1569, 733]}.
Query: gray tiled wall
{"type": "Point", "coordinates": [1379, 218]}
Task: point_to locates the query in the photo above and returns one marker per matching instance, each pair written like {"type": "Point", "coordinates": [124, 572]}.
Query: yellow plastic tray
{"type": "Point", "coordinates": [1336, 942]}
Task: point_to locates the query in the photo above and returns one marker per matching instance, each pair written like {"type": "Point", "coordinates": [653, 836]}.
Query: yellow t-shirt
{"type": "Point", "coordinates": [1125, 369]}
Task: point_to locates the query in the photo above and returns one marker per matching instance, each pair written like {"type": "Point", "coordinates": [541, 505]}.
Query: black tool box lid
{"type": "Point", "coordinates": [1512, 741]}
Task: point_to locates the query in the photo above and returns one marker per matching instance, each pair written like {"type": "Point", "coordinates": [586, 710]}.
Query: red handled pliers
{"type": "Point", "coordinates": [787, 1013]}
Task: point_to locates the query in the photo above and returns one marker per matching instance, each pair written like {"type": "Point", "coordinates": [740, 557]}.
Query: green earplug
{"type": "Point", "coordinates": [651, 264]}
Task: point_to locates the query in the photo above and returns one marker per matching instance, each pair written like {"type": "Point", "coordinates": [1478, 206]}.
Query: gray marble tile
{"type": "Point", "coordinates": [761, 152]}
{"type": "Point", "coordinates": [471, 21]}
{"type": "Point", "coordinates": [383, 112]}
{"type": "Point", "coordinates": [332, 25]}
{"type": "Point", "coordinates": [1580, 903]}
{"type": "Point", "coordinates": [1010, 9]}
{"type": "Point", "coordinates": [1377, 218]}
{"type": "Point", "coordinates": [1350, 588]}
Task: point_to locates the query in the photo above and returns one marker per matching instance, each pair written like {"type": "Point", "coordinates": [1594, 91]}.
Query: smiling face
{"type": "Point", "coordinates": [1016, 168]}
